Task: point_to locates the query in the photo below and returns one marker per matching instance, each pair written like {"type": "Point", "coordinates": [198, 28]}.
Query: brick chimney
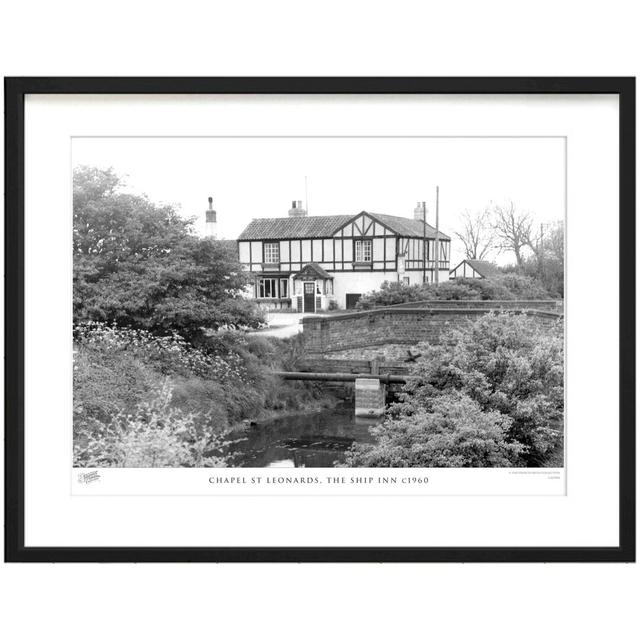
{"type": "Point", "coordinates": [418, 212]}
{"type": "Point", "coordinates": [211, 225]}
{"type": "Point", "coordinates": [296, 210]}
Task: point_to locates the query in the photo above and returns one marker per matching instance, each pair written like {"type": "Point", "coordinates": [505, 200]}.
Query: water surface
{"type": "Point", "coordinates": [310, 440]}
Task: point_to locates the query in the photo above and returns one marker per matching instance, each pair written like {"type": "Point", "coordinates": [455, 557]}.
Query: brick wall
{"type": "Point", "coordinates": [400, 324]}
{"type": "Point", "coordinates": [370, 397]}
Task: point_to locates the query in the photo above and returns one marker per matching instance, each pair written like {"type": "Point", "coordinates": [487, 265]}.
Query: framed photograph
{"type": "Point", "coordinates": [320, 319]}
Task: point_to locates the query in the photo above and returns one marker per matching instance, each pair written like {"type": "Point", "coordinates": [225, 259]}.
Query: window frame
{"type": "Point", "coordinates": [362, 243]}
{"type": "Point", "coordinates": [267, 252]}
{"type": "Point", "coordinates": [261, 288]}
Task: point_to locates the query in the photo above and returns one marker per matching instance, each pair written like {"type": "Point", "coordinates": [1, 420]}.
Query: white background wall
{"type": "Point", "coordinates": [359, 282]}
{"type": "Point", "coordinates": [291, 38]}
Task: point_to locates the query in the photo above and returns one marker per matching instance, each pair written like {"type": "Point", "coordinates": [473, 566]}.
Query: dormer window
{"type": "Point", "coordinates": [363, 250]}
{"type": "Point", "coordinates": [272, 252]}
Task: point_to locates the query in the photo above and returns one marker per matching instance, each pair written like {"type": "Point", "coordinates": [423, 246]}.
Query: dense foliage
{"type": "Point", "coordinates": [137, 395]}
{"type": "Point", "coordinates": [508, 286]}
{"type": "Point", "coordinates": [139, 265]}
{"type": "Point", "coordinates": [549, 273]}
{"type": "Point", "coordinates": [492, 395]}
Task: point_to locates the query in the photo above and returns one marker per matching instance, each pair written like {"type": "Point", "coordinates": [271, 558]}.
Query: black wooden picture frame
{"type": "Point", "coordinates": [15, 91]}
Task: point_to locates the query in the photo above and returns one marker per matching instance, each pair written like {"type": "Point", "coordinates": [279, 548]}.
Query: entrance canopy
{"type": "Point", "coordinates": [312, 271]}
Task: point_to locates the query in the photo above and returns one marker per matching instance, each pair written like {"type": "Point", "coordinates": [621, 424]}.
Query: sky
{"type": "Point", "coordinates": [259, 177]}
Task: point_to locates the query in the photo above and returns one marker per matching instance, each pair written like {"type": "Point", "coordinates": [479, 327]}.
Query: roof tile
{"type": "Point", "coordinates": [326, 226]}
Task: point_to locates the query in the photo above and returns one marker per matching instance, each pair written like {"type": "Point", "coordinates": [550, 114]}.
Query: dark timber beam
{"type": "Point", "coordinates": [341, 377]}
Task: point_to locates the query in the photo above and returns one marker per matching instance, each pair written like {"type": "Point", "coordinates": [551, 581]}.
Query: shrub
{"type": "Point", "coordinates": [500, 287]}
{"type": "Point", "coordinates": [394, 293]}
{"type": "Point", "coordinates": [227, 379]}
{"type": "Point", "coordinates": [453, 431]}
{"type": "Point", "coordinates": [522, 287]}
{"type": "Point", "coordinates": [155, 435]}
{"type": "Point", "coordinates": [507, 365]}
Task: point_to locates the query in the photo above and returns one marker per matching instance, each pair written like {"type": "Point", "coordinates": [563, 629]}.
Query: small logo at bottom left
{"type": "Point", "coordinates": [88, 477]}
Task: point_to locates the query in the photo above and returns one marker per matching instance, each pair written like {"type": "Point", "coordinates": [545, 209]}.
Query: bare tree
{"type": "Point", "coordinates": [554, 241]}
{"type": "Point", "coordinates": [477, 236]}
{"type": "Point", "coordinates": [546, 241]}
{"type": "Point", "coordinates": [514, 230]}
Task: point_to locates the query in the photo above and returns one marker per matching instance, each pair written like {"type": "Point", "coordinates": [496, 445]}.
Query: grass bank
{"type": "Point", "coordinates": [143, 400]}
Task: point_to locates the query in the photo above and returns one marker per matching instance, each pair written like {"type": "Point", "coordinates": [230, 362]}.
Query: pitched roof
{"type": "Point", "coordinates": [305, 227]}
{"type": "Point", "coordinates": [485, 268]}
{"type": "Point", "coordinates": [407, 226]}
{"type": "Point", "coordinates": [315, 267]}
{"type": "Point", "coordinates": [326, 226]}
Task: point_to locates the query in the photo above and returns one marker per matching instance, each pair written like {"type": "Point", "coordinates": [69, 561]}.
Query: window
{"type": "Point", "coordinates": [272, 252]}
{"type": "Point", "coordinates": [363, 250]}
{"type": "Point", "coordinates": [405, 280]}
{"type": "Point", "coordinates": [284, 288]}
{"type": "Point", "coordinates": [267, 288]}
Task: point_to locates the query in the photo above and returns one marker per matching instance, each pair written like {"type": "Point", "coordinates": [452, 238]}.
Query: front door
{"type": "Point", "coordinates": [309, 297]}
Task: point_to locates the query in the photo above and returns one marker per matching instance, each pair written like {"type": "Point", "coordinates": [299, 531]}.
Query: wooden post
{"type": "Point", "coordinates": [424, 242]}
{"type": "Point", "coordinates": [437, 242]}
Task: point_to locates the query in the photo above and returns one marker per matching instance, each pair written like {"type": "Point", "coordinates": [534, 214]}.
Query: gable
{"type": "Point", "coordinates": [365, 225]}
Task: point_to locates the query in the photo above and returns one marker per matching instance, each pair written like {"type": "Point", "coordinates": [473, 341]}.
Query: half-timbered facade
{"type": "Point", "coordinates": [305, 262]}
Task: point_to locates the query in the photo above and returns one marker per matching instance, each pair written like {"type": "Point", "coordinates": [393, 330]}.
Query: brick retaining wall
{"type": "Point", "coordinates": [401, 324]}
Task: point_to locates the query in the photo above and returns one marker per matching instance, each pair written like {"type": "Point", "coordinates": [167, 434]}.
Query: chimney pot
{"type": "Point", "coordinates": [210, 220]}
{"type": "Point", "coordinates": [296, 210]}
{"type": "Point", "coordinates": [419, 213]}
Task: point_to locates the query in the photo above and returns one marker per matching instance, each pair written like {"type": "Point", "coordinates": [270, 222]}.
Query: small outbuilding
{"type": "Point", "coordinates": [474, 269]}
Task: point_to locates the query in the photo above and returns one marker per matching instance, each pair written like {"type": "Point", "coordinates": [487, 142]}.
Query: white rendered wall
{"type": "Point", "coordinates": [359, 282]}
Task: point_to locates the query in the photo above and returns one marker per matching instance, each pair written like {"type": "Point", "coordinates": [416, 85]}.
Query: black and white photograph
{"type": "Point", "coordinates": [320, 301]}
{"type": "Point", "coordinates": [368, 317]}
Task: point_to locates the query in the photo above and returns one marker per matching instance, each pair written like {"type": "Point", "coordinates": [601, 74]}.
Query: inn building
{"type": "Point", "coordinates": [308, 262]}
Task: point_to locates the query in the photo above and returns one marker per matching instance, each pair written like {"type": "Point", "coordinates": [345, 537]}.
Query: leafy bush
{"type": "Point", "coordinates": [453, 431]}
{"type": "Point", "coordinates": [499, 287]}
{"type": "Point", "coordinates": [522, 287]}
{"type": "Point", "coordinates": [505, 365]}
{"type": "Point", "coordinates": [226, 380]}
{"type": "Point", "coordinates": [155, 435]}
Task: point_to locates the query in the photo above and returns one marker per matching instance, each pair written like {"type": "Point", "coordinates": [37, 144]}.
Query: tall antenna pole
{"type": "Point", "coordinates": [306, 195]}
{"type": "Point", "coordinates": [541, 248]}
{"type": "Point", "coordinates": [437, 251]}
{"type": "Point", "coordinates": [424, 242]}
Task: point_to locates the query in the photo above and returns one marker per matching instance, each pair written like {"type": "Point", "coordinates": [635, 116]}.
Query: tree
{"type": "Point", "coordinates": [513, 230]}
{"type": "Point", "coordinates": [140, 265]}
{"type": "Point", "coordinates": [545, 265]}
{"type": "Point", "coordinates": [478, 235]}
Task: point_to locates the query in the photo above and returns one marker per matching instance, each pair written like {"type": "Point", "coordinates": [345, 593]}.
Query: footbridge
{"type": "Point", "coordinates": [370, 390]}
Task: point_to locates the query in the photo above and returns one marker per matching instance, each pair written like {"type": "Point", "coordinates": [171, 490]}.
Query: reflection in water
{"type": "Point", "coordinates": [312, 440]}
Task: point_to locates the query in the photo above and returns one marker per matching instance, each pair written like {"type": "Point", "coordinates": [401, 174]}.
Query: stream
{"type": "Point", "coordinates": [310, 440]}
